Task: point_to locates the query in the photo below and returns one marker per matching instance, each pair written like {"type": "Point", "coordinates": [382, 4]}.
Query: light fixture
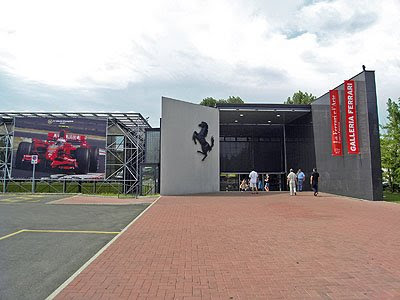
{"type": "Point", "coordinates": [236, 121]}
{"type": "Point", "coordinates": [241, 115]}
{"type": "Point", "coordinates": [269, 121]}
{"type": "Point", "coordinates": [278, 116]}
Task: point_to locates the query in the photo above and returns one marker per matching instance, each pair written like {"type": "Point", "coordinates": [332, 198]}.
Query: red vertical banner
{"type": "Point", "coordinates": [351, 117]}
{"type": "Point", "coordinates": [335, 123]}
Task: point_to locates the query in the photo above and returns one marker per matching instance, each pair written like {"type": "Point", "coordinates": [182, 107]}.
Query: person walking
{"type": "Point", "coordinates": [291, 180]}
{"type": "Point", "coordinates": [300, 180]}
{"type": "Point", "coordinates": [266, 185]}
{"type": "Point", "coordinates": [314, 181]}
{"type": "Point", "coordinates": [253, 181]}
{"type": "Point", "coordinates": [260, 183]}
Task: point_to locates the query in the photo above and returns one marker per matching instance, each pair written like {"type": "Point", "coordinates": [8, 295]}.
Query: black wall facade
{"type": "Point", "coordinates": [300, 152]}
{"type": "Point", "coordinates": [246, 148]}
{"type": "Point", "coordinates": [352, 175]}
{"type": "Point", "coordinates": [270, 148]}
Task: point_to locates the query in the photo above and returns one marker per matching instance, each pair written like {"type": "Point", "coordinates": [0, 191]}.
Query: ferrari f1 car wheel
{"type": "Point", "coordinates": [83, 160]}
{"type": "Point", "coordinates": [24, 148]}
{"type": "Point", "coordinates": [94, 158]}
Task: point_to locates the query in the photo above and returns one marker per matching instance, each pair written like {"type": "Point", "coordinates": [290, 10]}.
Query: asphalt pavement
{"type": "Point", "coordinates": [35, 263]}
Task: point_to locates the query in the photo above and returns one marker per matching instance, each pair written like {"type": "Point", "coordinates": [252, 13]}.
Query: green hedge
{"type": "Point", "coordinates": [391, 197]}
{"type": "Point", "coordinates": [71, 187]}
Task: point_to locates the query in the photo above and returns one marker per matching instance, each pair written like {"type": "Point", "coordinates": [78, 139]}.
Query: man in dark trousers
{"type": "Point", "coordinates": [314, 181]}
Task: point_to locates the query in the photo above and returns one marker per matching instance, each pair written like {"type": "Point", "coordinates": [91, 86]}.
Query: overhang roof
{"type": "Point", "coordinates": [130, 119]}
{"type": "Point", "coordinates": [261, 114]}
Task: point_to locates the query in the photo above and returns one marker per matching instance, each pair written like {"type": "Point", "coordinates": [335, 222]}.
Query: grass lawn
{"type": "Point", "coordinates": [391, 197]}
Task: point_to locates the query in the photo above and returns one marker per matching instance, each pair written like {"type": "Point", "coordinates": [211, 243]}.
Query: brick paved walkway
{"type": "Point", "coordinates": [245, 246]}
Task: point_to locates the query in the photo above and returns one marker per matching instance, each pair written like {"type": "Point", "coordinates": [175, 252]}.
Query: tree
{"type": "Point", "coordinates": [300, 98]}
{"type": "Point", "coordinates": [390, 150]}
{"type": "Point", "coordinates": [234, 100]}
{"type": "Point", "coordinates": [210, 101]}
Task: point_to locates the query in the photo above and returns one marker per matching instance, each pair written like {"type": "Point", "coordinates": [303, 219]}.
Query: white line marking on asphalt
{"type": "Point", "coordinates": [11, 234]}
{"type": "Point", "coordinates": [57, 231]}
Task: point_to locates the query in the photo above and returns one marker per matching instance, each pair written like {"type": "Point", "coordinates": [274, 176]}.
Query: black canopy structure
{"type": "Point", "coordinates": [261, 114]}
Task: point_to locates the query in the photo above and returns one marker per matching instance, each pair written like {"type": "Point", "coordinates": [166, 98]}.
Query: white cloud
{"type": "Point", "coordinates": [272, 48]}
{"type": "Point", "coordinates": [329, 18]}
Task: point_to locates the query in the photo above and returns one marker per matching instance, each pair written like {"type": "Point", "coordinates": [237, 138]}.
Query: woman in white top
{"type": "Point", "coordinates": [291, 180]}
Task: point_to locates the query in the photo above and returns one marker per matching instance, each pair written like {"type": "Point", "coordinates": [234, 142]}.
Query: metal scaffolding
{"type": "Point", "coordinates": [124, 153]}
{"type": "Point", "coordinates": [6, 141]}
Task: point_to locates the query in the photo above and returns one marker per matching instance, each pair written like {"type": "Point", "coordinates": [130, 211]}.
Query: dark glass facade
{"type": "Point", "coordinates": [300, 148]}
{"type": "Point", "coordinates": [152, 154]}
{"type": "Point", "coordinates": [150, 169]}
{"type": "Point", "coordinates": [268, 149]}
{"type": "Point", "coordinates": [243, 148]}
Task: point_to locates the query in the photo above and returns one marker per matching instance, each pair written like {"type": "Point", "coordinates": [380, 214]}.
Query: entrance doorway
{"type": "Point", "coordinates": [270, 139]}
{"type": "Point", "coordinates": [231, 181]}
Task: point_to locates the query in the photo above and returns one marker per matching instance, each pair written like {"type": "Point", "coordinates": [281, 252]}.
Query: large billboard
{"type": "Point", "coordinates": [66, 147]}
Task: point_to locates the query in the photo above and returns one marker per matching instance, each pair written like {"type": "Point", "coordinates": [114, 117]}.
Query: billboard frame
{"type": "Point", "coordinates": [131, 126]}
{"type": "Point", "coordinates": [63, 145]}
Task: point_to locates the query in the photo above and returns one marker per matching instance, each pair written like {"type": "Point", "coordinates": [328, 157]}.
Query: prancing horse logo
{"type": "Point", "coordinates": [201, 138]}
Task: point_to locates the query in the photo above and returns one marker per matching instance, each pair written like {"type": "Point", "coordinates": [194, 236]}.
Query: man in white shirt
{"type": "Point", "coordinates": [291, 180]}
{"type": "Point", "coordinates": [253, 181]}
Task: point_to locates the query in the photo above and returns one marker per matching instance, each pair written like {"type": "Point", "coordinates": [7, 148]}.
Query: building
{"type": "Point", "coordinates": [199, 149]}
{"type": "Point", "coordinates": [338, 133]}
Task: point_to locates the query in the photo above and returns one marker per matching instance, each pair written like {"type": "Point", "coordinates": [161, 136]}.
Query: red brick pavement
{"type": "Point", "coordinates": [266, 246]}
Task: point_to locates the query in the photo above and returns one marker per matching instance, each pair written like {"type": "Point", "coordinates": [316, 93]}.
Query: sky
{"type": "Point", "coordinates": [110, 56]}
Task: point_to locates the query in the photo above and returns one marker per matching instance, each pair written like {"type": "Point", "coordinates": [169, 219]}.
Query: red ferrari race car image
{"type": "Point", "coordinates": [60, 152]}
